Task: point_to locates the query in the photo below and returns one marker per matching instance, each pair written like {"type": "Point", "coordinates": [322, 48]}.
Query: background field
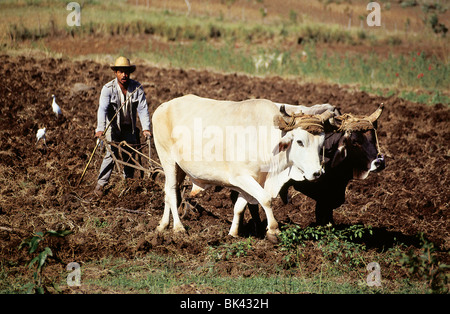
{"type": "Point", "coordinates": [301, 52]}
{"type": "Point", "coordinates": [314, 40]}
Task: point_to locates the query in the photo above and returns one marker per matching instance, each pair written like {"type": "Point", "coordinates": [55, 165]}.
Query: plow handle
{"type": "Point", "coordinates": [87, 165]}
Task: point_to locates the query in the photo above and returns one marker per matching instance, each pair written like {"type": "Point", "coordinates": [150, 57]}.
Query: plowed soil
{"type": "Point", "coordinates": [38, 184]}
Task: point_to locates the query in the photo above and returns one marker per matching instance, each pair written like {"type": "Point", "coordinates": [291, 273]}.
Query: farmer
{"type": "Point", "coordinates": [120, 91]}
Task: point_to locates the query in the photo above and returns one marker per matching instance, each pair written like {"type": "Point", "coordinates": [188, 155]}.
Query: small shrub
{"type": "Point", "coordinates": [426, 266]}
{"type": "Point", "coordinates": [40, 259]}
{"type": "Point", "coordinates": [337, 245]}
{"type": "Point", "coordinates": [227, 251]}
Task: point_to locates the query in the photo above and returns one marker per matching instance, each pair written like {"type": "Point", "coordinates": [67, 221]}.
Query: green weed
{"type": "Point", "coordinates": [339, 246]}
{"type": "Point", "coordinates": [227, 251]}
{"type": "Point", "coordinates": [40, 260]}
{"type": "Point", "coordinates": [426, 266]}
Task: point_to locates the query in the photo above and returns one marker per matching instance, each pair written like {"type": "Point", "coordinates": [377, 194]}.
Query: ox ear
{"type": "Point", "coordinates": [285, 143]}
{"type": "Point", "coordinates": [341, 152]}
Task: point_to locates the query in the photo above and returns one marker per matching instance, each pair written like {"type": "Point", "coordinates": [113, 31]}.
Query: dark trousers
{"type": "Point", "coordinates": [124, 134]}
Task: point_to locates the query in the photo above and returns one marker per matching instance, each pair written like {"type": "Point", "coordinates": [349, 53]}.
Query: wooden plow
{"type": "Point", "coordinates": [154, 168]}
{"type": "Point", "coordinates": [154, 171]}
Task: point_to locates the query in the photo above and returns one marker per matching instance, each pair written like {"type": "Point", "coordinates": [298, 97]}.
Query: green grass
{"type": "Point", "coordinates": [37, 19]}
{"type": "Point", "coordinates": [417, 77]}
{"type": "Point", "coordinates": [339, 256]}
{"type": "Point", "coordinates": [234, 46]}
{"type": "Point", "coordinates": [143, 275]}
{"type": "Point", "coordinates": [115, 275]}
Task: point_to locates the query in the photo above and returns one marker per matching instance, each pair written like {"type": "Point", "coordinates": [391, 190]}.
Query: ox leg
{"type": "Point", "coordinates": [239, 207]}
{"type": "Point", "coordinates": [175, 203]}
{"type": "Point", "coordinates": [254, 211]}
{"type": "Point", "coordinates": [252, 187]}
{"type": "Point", "coordinates": [326, 205]}
{"type": "Point", "coordinates": [324, 214]}
{"type": "Point", "coordinates": [172, 198]}
{"type": "Point", "coordinates": [164, 222]}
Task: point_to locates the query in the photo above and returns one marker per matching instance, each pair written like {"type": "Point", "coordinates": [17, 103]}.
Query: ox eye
{"type": "Point", "coordinates": [300, 143]}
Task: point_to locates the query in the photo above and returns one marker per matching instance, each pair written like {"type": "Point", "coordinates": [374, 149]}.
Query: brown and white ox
{"type": "Point", "coordinates": [351, 151]}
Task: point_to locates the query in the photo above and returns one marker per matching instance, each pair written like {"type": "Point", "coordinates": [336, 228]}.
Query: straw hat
{"type": "Point", "coordinates": [123, 63]}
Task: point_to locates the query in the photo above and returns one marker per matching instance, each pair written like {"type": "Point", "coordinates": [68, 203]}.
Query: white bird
{"type": "Point", "coordinates": [40, 134]}
{"type": "Point", "coordinates": [56, 108]}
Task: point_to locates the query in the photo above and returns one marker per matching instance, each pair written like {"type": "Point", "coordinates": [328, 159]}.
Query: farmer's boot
{"type": "Point", "coordinates": [98, 191]}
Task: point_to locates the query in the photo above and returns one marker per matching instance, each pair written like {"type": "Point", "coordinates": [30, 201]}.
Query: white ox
{"type": "Point", "coordinates": [239, 145]}
{"type": "Point", "coordinates": [290, 110]}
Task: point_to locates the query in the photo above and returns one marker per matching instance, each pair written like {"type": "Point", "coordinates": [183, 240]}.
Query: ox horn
{"type": "Point", "coordinates": [280, 122]}
{"type": "Point", "coordinates": [283, 111]}
{"type": "Point", "coordinates": [374, 116]}
{"type": "Point", "coordinates": [283, 122]}
{"type": "Point", "coordinates": [326, 115]}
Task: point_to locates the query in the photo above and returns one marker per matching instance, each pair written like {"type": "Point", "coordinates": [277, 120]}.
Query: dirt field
{"type": "Point", "coordinates": [38, 185]}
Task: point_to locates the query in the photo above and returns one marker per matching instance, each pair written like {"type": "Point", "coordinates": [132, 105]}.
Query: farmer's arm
{"type": "Point", "coordinates": [105, 97]}
{"type": "Point", "coordinates": [142, 110]}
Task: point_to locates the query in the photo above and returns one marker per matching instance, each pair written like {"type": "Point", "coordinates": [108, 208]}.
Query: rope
{"type": "Point", "coordinates": [119, 145]}
{"type": "Point", "coordinates": [378, 145]}
{"type": "Point", "coordinates": [322, 164]}
{"type": "Point", "coordinates": [310, 123]}
{"type": "Point", "coordinates": [350, 123]}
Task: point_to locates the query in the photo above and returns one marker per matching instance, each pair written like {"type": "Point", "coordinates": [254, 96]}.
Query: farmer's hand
{"type": "Point", "coordinates": [147, 133]}
{"type": "Point", "coordinates": [98, 134]}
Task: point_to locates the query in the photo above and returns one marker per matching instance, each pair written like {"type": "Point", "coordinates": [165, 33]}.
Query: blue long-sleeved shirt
{"type": "Point", "coordinates": [110, 102]}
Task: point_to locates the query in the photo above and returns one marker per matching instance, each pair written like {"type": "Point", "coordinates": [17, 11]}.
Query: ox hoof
{"type": "Point", "coordinates": [179, 229]}
{"type": "Point", "coordinates": [273, 238]}
{"type": "Point", "coordinates": [160, 228]}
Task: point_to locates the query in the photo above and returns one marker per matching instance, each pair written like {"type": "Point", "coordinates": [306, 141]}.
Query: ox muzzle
{"type": "Point", "coordinates": [378, 164]}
